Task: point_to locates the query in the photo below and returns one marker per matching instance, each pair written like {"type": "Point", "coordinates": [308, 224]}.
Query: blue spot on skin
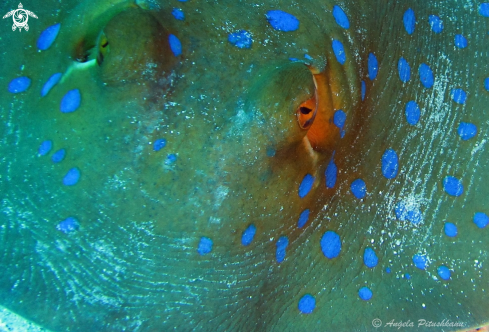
{"type": "Point", "coordinates": [484, 9]}
{"type": "Point", "coordinates": [365, 293]}
{"type": "Point", "coordinates": [58, 156]}
{"type": "Point", "coordinates": [307, 303]}
{"type": "Point", "coordinates": [466, 130]}
{"type": "Point", "coordinates": [240, 39]}
{"type": "Point", "coordinates": [486, 83]}
{"type": "Point", "coordinates": [340, 17]}
{"type": "Point", "coordinates": [47, 37]}
{"type": "Point", "coordinates": [339, 51]}
{"type": "Point", "coordinates": [19, 84]}
{"type": "Point", "coordinates": [159, 144]}
{"type": "Point", "coordinates": [175, 45]}
{"type": "Point", "coordinates": [71, 101]}
{"type": "Point", "coordinates": [404, 70]}
{"type": "Point", "coordinates": [453, 186]}
{"type": "Point", "coordinates": [413, 214]}
{"type": "Point", "coordinates": [178, 14]}
{"type": "Point", "coordinates": [412, 112]}
{"type": "Point", "coordinates": [72, 177]}
{"type": "Point", "coordinates": [293, 59]}
{"type": "Point", "coordinates": [282, 21]}
{"type": "Point", "coordinates": [436, 23]}
{"type": "Point", "coordinates": [358, 188]}
{"type": "Point", "coordinates": [307, 56]}
{"type": "Point", "coordinates": [331, 173]}
{"type": "Point", "coordinates": [339, 118]}
{"type": "Point", "coordinates": [303, 218]}
{"type": "Point", "coordinates": [205, 246]}
{"type": "Point", "coordinates": [407, 276]}
{"type": "Point", "coordinates": [270, 152]}
{"type": "Point", "coordinates": [370, 259]}
{"type": "Point", "coordinates": [364, 90]}
{"type": "Point", "coordinates": [281, 244]}
{"type": "Point", "coordinates": [45, 147]}
{"type": "Point", "coordinates": [460, 41]}
{"type": "Point", "coordinates": [373, 66]}
{"type": "Point", "coordinates": [390, 164]}
{"type": "Point", "coordinates": [330, 244]}
{"type": "Point", "coordinates": [450, 229]}
{"type": "Point", "coordinates": [409, 21]}
{"type": "Point", "coordinates": [459, 96]}
{"type": "Point", "coordinates": [170, 159]}
{"type": "Point", "coordinates": [68, 225]}
{"type": "Point", "coordinates": [426, 75]}
{"type": "Point", "coordinates": [248, 235]}
{"type": "Point", "coordinates": [481, 219]}
{"type": "Point", "coordinates": [51, 82]}
{"type": "Point", "coordinates": [443, 272]}
{"type": "Point", "coordinates": [420, 261]}
{"type": "Point", "coordinates": [388, 269]}
{"type": "Point", "coordinates": [306, 185]}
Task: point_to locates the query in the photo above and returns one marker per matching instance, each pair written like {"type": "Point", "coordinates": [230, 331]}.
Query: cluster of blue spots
{"type": "Point", "coordinates": [304, 216]}
{"type": "Point", "coordinates": [459, 96]}
{"type": "Point", "coordinates": [436, 23]}
{"type": "Point", "coordinates": [390, 164]}
{"type": "Point", "coordinates": [365, 293]}
{"type": "Point", "coordinates": [466, 130]}
{"type": "Point", "coordinates": [426, 75]}
{"type": "Point", "coordinates": [412, 112]}
{"type": "Point", "coordinates": [307, 303]}
{"type": "Point", "coordinates": [484, 9]}
{"type": "Point", "coordinates": [159, 144]}
{"type": "Point", "coordinates": [443, 272]}
{"type": "Point", "coordinates": [19, 84]}
{"type": "Point", "coordinates": [170, 159]}
{"type": "Point", "coordinates": [47, 37]}
{"type": "Point", "coordinates": [68, 225]}
{"type": "Point", "coordinates": [282, 21]}
{"type": "Point", "coordinates": [486, 83]}
{"type": "Point", "coordinates": [306, 185]}
{"type": "Point", "coordinates": [460, 41]}
{"type": "Point", "coordinates": [358, 188]}
{"type": "Point", "coordinates": [72, 177]}
{"type": "Point", "coordinates": [58, 156]}
{"type": "Point", "coordinates": [420, 261]}
{"type": "Point", "coordinates": [413, 214]}
{"type": "Point", "coordinates": [409, 21]}
{"type": "Point", "coordinates": [373, 66]}
{"type": "Point", "coordinates": [450, 229]}
{"type": "Point", "coordinates": [339, 51]}
{"type": "Point", "coordinates": [330, 244]}
{"type": "Point", "coordinates": [71, 101]}
{"type": "Point", "coordinates": [175, 45]}
{"type": "Point", "coordinates": [240, 39]}
{"type": "Point", "coordinates": [370, 259]}
{"type": "Point", "coordinates": [481, 219]}
{"type": "Point", "coordinates": [248, 235]}
{"type": "Point", "coordinates": [50, 83]}
{"type": "Point", "coordinates": [404, 70]}
{"type": "Point", "coordinates": [363, 90]}
{"type": "Point", "coordinates": [205, 245]}
{"type": "Point", "coordinates": [45, 147]}
{"type": "Point", "coordinates": [388, 269]}
{"type": "Point", "coordinates": [281, 245]}
{"type": "Point", "coordinates": [331, 173]}
{"type": "Point", "coordinates": [178, 14]}
{"type": "Point", "coordinates": [453, 186]}
{"type": "Point", "coordinates": [340, 17]}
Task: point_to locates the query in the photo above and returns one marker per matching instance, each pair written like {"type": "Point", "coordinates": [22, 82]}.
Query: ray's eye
{"type": "Point", "coordinates": [306, 112]}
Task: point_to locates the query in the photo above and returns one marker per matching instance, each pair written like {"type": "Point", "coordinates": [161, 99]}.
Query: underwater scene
{"type": "Point", "coordinates": [238, 165]}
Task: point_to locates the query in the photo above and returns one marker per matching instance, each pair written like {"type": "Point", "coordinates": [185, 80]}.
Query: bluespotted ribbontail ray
{"type": "Point", "coordinates": [228, 165]}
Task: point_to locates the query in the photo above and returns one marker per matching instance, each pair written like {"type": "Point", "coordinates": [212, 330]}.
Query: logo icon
{"type": "Point", "coordinates": [20, 17]}
{"type": "Point", "coordinates": [376, 323]}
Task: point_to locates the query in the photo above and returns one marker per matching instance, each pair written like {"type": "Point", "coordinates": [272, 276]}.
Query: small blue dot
{"type": "Point", "coordinates": [51, 82]}
{"type": "Point", "coordinates": [281, 245]}
{"type": "Point", "coordinates": [307, 303]}
{"type": "Point", "coordinates": [159, 144]}
{"type": "Point", "coordinates": [466, 130]}
{"type": "Point", "coordinates": [340, 17]}
{"type": "Point", "coordinates": [339, 51]}
{"type": "Point", "coordinates": [68, 225]}
{"type": "Point", "coordinates": [404, 70]}
{"type": "Point", "coordinates": [373, 66]}
{"type": "Point", "coordinates": [271, 152]}
{"type": "Point", "coordinates": [390, 164]}
{"type": "Point", "coordinates": [365, 293]}
{"type": "Point", "coordinates": [47, 37]}
{"type": "Point", "coordinates": [304, 216]}
{"type": "Point", "coordinates": [364, 90]}
{"type": "Point", "coordinates": [412, 112]}
{"type": "Point", "coordinates": [443, 272]}
{"type": "Point", "coordinates": [58, 156]}
{"type": "Point", "coordinates": [486, 83]}
{"type": "Point", "coordinates": [436, 23]}
{"type": "Point", "coordinates": [481, 219]}
{"type": "Point", "coordinates": [282, 21]}
{"type": "Point", "coordinates": [72, 177]}
{"type": "Point", "coordinates": [414, 216]}
{"type": "Point", "coordinates": [293, 59]}
{"type": "Point", "coordinates": [71, 101]}
{"type": "Point", "coordinates": [306, 185]}
{"type": "Point", "coordinates": [409, 21]}
{"type": "Point", "coordinates": [426, 75]}
{"type": "Point", "coordinates": [175, 45]}
{"type": "Point", "coordinates": [453, 186]}
{"type": "Point", "coordinates": [358, 188]}
{"type": "Point", "coordinates": [45, 147]}
{"type": "Point", "coordinates": [171, 158]}
{"type": "Point", "coordinates": [370, 259]}
{"type": "Point", "coordinates": [450, 229]}
{"type": "Point", "coordinates": [460, 41]}
{"type": "Point", "coordinates": [407, 276]}
{"type": "Point", "coordinates": [248, 235]}
{"type": "Point", "coordinates": [484, 9]}
{"type": "Point", "coordinates": [178, 14]}
{"type": "Point", "coordinates": [339, 118]}
{"type": "Point", "coordinates": [459, 96]}
{"type": "Point", "coordinates": [330, 244]}
{"type": "Point", "coordinates": [19, 84]}
{"type": "Point", "coordinates": [388, 269]}
{"type": "Point", "coordinates": [331, 173]}
{"type": "Point", "coordinates": [308, 57]}
{"type": "Point", "coordinates": [240, 39]}
{"type": "Point", "coordinates": [205, 245]}
{"type": "Point", "coordinates": [420, 261]}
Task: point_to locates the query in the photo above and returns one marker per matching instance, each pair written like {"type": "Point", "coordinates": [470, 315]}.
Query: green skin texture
{"type": "Point", "coordinates": [134, 264]}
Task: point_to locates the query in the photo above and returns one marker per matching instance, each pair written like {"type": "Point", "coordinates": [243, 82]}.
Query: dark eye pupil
{"type": "Point", "coordinates": [305, 110]}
